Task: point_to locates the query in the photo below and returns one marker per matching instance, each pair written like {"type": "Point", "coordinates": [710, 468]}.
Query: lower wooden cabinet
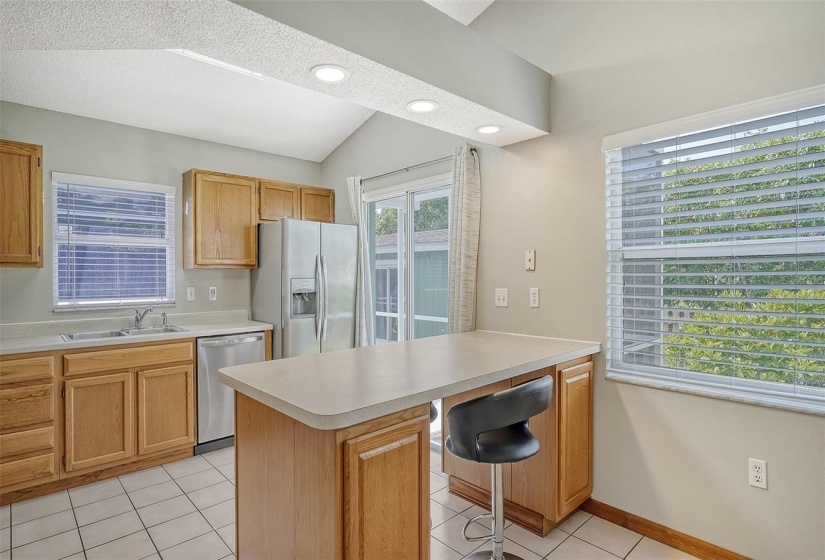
{"type": "Point", "coordinates": [540, 491]}
{"type": "Point", "coordinates": [386, 511]}
{"type": "Point", "coordinates": [99, 420]}
{"type": "Point", "coordinates": [166, 408]}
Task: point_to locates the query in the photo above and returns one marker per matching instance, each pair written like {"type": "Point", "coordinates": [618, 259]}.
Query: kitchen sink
{"type": "Point", "coordinates": [122, 332]}
{"type": "Point", "coordinates": [152, 330]}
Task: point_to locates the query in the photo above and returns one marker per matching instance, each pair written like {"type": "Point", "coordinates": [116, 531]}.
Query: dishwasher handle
{"type": "Point", "coordinates": [230, 341]}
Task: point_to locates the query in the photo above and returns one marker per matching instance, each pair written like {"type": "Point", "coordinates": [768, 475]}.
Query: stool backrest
{"type": "Point", "coordinates": [469, 419]}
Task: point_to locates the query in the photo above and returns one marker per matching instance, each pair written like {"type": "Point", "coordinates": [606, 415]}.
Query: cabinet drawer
{"type": "Point", "coordinates": [26, 369]}
{"type": "Point", "coordinates": [26, 406]}
{"type": "Point", "coordinates": [127, 358]}
{"type": "Point", "coordinates": [25, 443]}
{"type": "Point", "coordinates": [24, 470]}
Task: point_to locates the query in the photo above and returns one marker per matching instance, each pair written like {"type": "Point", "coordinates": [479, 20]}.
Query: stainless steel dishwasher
{"type": "Point", "coordinates": [216, 401]}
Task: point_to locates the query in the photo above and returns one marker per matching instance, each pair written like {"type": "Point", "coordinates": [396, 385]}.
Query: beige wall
{"type": "Point", "coordinates": [677, 459]}
{"type": "Point", "coordinates": [85, 146]}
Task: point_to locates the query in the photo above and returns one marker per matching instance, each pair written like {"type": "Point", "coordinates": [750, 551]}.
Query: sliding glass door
{"type": "Point", "coordinates": [410, 294]}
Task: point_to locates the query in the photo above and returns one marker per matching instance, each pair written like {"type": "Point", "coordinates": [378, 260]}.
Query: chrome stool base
{"type": "Point", "coordinates": [488, 554]}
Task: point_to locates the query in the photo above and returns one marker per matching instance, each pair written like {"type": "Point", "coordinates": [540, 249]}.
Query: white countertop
{"type": "Point", "coordinates": [340, 389]}
{"type": "Point", "coordinates": [51, 342]}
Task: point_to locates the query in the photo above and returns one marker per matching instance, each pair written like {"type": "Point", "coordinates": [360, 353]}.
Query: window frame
{"type": "Point", "coordinates": [767, 393]}
{"type": "Point", "coordinates": [169, 243]}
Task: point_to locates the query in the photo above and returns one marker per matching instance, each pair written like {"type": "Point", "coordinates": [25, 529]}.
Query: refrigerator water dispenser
{"type": "Point", "coordinates": [304, 297]}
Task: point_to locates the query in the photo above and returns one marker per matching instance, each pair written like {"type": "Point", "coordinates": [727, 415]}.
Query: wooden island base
{"type": "Point", "coordinates": [350, 493]}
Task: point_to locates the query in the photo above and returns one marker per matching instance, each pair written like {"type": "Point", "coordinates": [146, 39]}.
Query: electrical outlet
{"type": "Point", "coordinates": [530, 260]}
{"type": "Point", "coordinates": [534, 297]}
{"type": "Point", "coordinates": [190, 293]}
{"type": "Point", "coordinates": [758, 473]}
{"type": "Point", "coordinates": [213, 293]}
{"type": "Point", "coordinates": [501, 297]}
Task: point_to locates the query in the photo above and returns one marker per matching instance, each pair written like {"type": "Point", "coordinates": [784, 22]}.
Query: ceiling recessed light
{"type": "Point", "coordinates": [330, 73]}
{"type": "Point", "coordinates": [218, 63]}
{"type": "Point", "coordinates": [422, 106]}
{"type": "Point", "coordinates": [489, 128]}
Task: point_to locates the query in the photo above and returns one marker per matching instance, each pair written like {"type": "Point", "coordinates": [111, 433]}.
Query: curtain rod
{"type": "Point", "coordinates": [405, 169]}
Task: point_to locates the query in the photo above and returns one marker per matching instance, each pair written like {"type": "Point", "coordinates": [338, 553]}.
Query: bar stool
{"type": "Point", "coordinates": [494, 429]}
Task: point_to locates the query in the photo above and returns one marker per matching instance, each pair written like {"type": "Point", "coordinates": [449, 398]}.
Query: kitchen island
{"type": "Point", "coordinates": [332, 450]}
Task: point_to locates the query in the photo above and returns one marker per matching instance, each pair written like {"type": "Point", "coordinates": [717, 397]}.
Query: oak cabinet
{"type": "Point", "coordinates": [279, 200]}
{"type": "Point", "coordinates": [542, 490]}
{"type": "Point", "coordinates": [166, 408]}
{"type": "Point", "coordinates": [21, 204]}
{"type": "Point", "coordinates": [317, 204]}
{"type": "Point", "coordinates": [386, 476]}
{"type": "Point", "coordinates": [99, 420]}
{"type": "Point", "coordinates": [220, 220]}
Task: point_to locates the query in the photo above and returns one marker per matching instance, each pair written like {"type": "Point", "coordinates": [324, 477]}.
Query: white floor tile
{"type": "Point", "coordinates": [132, 547]}
{"type": "Point", "coordinates": [453, 502]}
{"type": "Point", "coordinates": [200, 480]}
{"type": "Point", "coordinates": [648, 549]}
{"type": "Point", "coordinates": [95, 492]}
{"type": "Point", "coordinates": [220, 515]}
{"type": "Point", "coordinates": [5, 555]}
{"type": "Point", "coordinates": [575, 549]}
{"type": "Point", "coordinates": [608, 536]}
{"type": "Point", "coordinates": [228, 470]}
{"type": "Point", "coordinates": [186, 467]}
{"type": "Point", "coordinates": [220, 457]}
{"type": "Point", "coordinates": [155, 556]}
{"type": "Point", "coordinates": [574, 522]}
{"type": "Point", "coordinates": [110, 529]}
{"type": "Point", "coordinates": [440, 551]}
{"type": "Point", "coordinates": [437, 482]}
{"type": "Point", "coordinates": [514, 548]}
{"type": "Point", "coordinates": [42, 527]}
{"type": "Point", "coordinates": [154, 494]}
{"type": "Point", "coordinates": [78, 556]}
{"type": "Point", "coordinates": [212, 495]}
{"type": "Point", "coordinates": [40, 507]}
{"type": "Point", "coordinates": [439, 514]}
{"type": "Point", "coordinates": [5, 516]}
{"type": "Point", "coordinates": [5, 539]}
{"type": "Point", "coordinates": [228, 535]}
{"type": "Point", "coordinates": [449, 533]}
{"type": "Point", "coordinates": [52, 548]}
{"type": "Point", "coordinates": [166, 510]}
{"type": "Point", "coordinates": [103, 509]}
{"type": "Point", "coordinates": [540, 545]}
{"type": "Point", "coordinates": [176, 531]}
{"type": "Point", "coordinates": [142, 479]}
{"type": "Point", "coordinates": [206, 547]}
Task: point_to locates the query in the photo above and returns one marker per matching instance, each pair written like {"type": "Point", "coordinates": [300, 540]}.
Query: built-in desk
{"type": "Point", "coordinates": [332, 450]}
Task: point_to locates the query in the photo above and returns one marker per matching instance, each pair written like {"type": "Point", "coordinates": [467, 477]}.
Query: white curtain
{"type": "Point", "coordinates": [465, 215]}
{"type": "Point", "coordinates": [364, 331]}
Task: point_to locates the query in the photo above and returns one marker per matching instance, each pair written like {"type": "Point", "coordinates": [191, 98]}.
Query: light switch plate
{"type": "Point", "coordinates": [190, 293]}
{"type": "Point", "coordinates": [213, 293]}
{"type": "Point", "coordinates": [501, 297]}
{"type": "Point", "coordinates": [530, 259]}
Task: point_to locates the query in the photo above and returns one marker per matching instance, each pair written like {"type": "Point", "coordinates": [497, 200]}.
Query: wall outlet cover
{"type": "Point", "coordinates": [758, 473]}
{"type": "Point", "coordinates": [213, 293]}
{"type": "Point", "coordinates": [534, 297]}
{"type": "Point", "coordinates": [501, 297]}
{"type": "Point", "coordinates": [530, 259]}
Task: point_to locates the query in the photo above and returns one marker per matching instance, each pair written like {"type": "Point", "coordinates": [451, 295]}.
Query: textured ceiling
{"type": "Point", "coordinates": [228, 32]}
{"type": "Point", "coordinates": [163, 91]}
{"type": "Point", "coordinates": [464, 11]}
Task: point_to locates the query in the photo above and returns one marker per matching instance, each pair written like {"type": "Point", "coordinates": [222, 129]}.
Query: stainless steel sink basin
{"type": "Point", "coordinates": [152, 330]}
{"type": "Point", "coordinates": [122, 332]}
{"type": "Point", "coordinates": [91, 335]}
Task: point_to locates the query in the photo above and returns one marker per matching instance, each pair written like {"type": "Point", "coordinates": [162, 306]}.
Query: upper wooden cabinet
{"type": "Point", "coordinates": [220, 217]}
{"type": "Point", "coordinates": [279, 200]}
{"type": "Point", "coordinates": [317, 204]}
{"type": "Point", "coordinates": [21, 204]}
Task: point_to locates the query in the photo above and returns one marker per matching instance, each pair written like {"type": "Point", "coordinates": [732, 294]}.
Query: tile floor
{"type": "Point", "coordinates": [186, 510]}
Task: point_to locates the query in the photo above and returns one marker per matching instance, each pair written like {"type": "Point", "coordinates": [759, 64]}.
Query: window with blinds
{"type": "Point", "coordinates": [716, 261]}
{"type": "Point", "coordinates": [113, 243]}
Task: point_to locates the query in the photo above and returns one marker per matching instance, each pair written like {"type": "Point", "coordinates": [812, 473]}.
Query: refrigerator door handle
{"type": "Point", "coordinates": [319, 298]}
{"type": "Point", "coordinates": [325, 296]}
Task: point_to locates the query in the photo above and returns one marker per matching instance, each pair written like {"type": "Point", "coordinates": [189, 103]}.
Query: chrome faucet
{"type": "Point", "coordinates": [139, 316]}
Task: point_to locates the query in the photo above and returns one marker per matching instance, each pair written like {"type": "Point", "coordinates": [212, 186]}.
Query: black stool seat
{"type": "Point", "coordinates": [433, 413]}
{"type": "Point", "coordinates": [493, 429]}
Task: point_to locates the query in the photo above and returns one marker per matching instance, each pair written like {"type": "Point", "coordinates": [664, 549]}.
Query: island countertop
{"type": "Point", "coordinates": [340, 389]}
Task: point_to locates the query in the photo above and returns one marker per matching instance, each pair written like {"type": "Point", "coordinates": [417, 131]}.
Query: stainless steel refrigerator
{"type": "Point", "coordinates": [305, 286]}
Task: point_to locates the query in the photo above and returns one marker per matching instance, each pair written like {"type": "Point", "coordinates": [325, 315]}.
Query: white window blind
{"type": "Point", "coordinates": [716, 261]}
{"type": "Point", "coordinates": [113, 243]}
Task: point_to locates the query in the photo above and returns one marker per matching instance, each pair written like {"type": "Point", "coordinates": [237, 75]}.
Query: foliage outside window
{"type": "Point", "coordinates": [113, 243]}
{"type": "Point", "coordinates": [716, 244]}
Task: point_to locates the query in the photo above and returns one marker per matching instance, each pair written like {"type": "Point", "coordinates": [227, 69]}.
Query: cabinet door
{"type": "Point", "coordinates": [226, 221]}
{"type": "Point", "coordinates": [21, 204]}
{"type": "Point", "coordinates": [317, 204]}
{"type": "Point", "coordinates": [279, 200]}
{"type": "Point", "coordinates": [98, 420]}
{"type": "Point", "coordinates": [386, 493]}
{"type": "Point", "coordinates": [166, 408]}
{"type": "Point", "coordinates": [575, 402]}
